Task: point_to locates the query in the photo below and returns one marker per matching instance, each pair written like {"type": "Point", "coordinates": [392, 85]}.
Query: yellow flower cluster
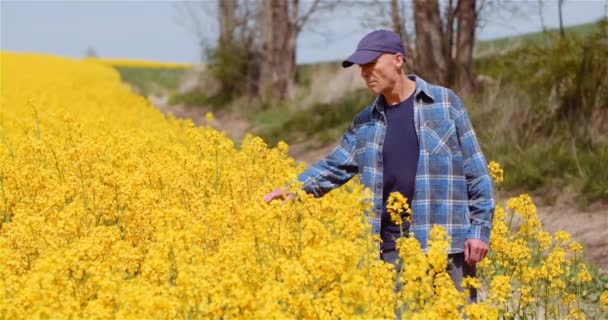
{"type": "Point", "coordinates": [604, 300]}
{"type": "Point", "coordinates": [427, 288]}
{"type": "Point", "coordinates": [397, 207]}
{"type": "Point", "coordinates": [427, 291]}
{"type": "Point", "coordinates": [109, 209]}
{"type": "Point", "coordinates": [496, 172]}
{"type": "Point", "coordinates": [139, 63]}
{"type": "Point", "coordinates": [530, 273]}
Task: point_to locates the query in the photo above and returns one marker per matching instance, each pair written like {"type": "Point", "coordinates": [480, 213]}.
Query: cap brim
{"type": "Point", "coordinates": [361, 57]}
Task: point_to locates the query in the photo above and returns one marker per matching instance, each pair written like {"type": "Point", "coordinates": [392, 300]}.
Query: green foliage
{"type": "Point", "coordinates": [198, 98]}
{"type": "Point", "coordinates": [269, 120]}
{"type": "Point", "coordinates": [595, 184]}
{"type": "Point", "coordinates": [591, 292]}
{"type": "Point", "coordinates": [553, 137]}
{"type": "Point", "coordinates": [147, 80]}
{"type": "Point", "coordinates": [227, 78]}
{"type": "Point", "coordinates": [323, 122]}
{"type": "Point", "coordinates": [230, 66]}
{"type": "Point", "coordinates": [533, 166]}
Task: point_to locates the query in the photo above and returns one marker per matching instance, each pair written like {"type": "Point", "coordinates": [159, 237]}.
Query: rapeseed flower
{"type": "Point", "coordinates": [110, 209]}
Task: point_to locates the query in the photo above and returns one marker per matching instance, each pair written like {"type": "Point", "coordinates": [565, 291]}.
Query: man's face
{"type": "Point", "coordinates": [381, 74]}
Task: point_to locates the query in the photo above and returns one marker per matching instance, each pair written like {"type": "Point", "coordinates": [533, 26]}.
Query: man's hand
{"type": "Point", "coordinates": [280, 194]}
{"type": "Point", "coordinates": [474, 251]}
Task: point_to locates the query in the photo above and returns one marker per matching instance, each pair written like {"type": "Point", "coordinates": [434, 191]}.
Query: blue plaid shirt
{"type": "Point", "coordinates": [452, 188]}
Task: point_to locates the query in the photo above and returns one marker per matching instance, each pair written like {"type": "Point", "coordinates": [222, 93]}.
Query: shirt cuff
{"type": "Point", "coordinates": [479, 232]}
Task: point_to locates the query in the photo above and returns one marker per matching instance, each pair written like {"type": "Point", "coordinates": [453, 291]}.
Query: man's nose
{"type": "Point", "coordinates": [364, 71]}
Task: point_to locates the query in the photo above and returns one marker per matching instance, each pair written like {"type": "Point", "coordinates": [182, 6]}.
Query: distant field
{"type": "Point", "coordinates": [485, 47]}
{"type": "Point", "coordinates": [149, 80]}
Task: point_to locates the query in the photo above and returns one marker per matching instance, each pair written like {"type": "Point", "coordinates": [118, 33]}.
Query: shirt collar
{"type": "Point", "coordinates": [422, 91]}
{"type": "Point", "coordinates": [422, 87]}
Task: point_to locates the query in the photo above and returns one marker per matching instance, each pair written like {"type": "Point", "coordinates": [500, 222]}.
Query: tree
{"type": "Point", "coordinates": [398, 14]}
{"type": "Point", "coordinates": [234, 60]}
{"type": "Point", "coordinates": [227, 21]}
{"type": "Point", "coordinates": [90, 52]}
{"type": "Point", "coordinates": [279, 31]}
{"type": "Point", "coordinates": [541, 15]}
{"type": "Point", "coordinates": [196, 18]}
{"type": "Point", "coordinates": [281, 23]}
{"type": "Point", "coordinates": [398, 25]}
{"type": "Point", "coordinates": [465, 41]}
{"type": "Point", "coordinates": [257, 42]}
{"type": "Point", "coordinates": [431, 55]}
{"type": "Point", "coordinates": [230, 57]}
{"type": "Point", "coordinates": [561, 19]}
{"type": "Point", "coordinates": [440, 59]}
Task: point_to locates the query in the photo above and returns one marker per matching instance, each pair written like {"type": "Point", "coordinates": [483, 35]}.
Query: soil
{"type": "Point", "coordinates": [588, 225]}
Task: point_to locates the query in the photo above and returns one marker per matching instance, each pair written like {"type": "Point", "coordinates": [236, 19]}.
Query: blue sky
{"type": "Point", "coordinates": [152, 30]}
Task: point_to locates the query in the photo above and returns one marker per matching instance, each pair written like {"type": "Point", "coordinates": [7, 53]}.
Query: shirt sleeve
{"type": "Point", "coordinates": [334, 170]}
{"type": "Point", "coordinates": [480, 188]}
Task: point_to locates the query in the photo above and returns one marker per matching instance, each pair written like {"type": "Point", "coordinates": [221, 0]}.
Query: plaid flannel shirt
{"type": "Point", "coordinates": [452, 188]}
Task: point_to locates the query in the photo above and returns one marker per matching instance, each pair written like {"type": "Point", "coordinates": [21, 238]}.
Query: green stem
{"type": "Point", "coordinates": [7, 217]}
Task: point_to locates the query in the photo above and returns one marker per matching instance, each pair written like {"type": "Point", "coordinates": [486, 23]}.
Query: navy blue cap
{"type": "Point", "coordinates": [372, 45]}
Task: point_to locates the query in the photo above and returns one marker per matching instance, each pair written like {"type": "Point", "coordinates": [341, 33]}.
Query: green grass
{"type": "Point", "coordinates": [546, 162]}
{"type": "Point", "coordinates": [534, 116]}
{"type": "Point", "coordinates": [323, 122]}
{"type": "Point", "coordinates": [198, 98]}
{"type": "Point", "coordinates": [591, 292]}
{"type": "Point", "coordinates": [146, 81]}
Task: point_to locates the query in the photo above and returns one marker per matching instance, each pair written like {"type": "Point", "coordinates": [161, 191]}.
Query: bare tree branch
{"type": "Point", "coordinates": [541, 15]}
{"type": "Point", "coordinates": [316, 7]}
{"type": "Point", "coordinates": [197, 21]}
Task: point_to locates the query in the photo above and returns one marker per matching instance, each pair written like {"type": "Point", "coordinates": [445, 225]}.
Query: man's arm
{"type": "Point", "coordinates": [479, 185]}
{"type": "Point", "coordinates": [326, 174]}
{"type": "Point", "coordinates": [334, 170]}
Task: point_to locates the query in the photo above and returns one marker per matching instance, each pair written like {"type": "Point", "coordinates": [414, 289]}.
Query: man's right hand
{"type": "Point", "coordinates": [279, 193]}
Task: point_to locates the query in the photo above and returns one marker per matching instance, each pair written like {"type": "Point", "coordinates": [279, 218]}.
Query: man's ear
{"type": "Point", "coordinates": [399, 61]}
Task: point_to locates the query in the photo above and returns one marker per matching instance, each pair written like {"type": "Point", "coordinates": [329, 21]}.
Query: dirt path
{"type": "Point", "coordinates": [233, 124]}
{"type": "Point", "coordinates": [589, 226]}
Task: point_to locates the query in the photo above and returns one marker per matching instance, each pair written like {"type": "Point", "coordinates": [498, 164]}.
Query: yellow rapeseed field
{"type": "Point", "coordinates": [110, 209]}
{"type": "Point", "coordinates": [140, 63]}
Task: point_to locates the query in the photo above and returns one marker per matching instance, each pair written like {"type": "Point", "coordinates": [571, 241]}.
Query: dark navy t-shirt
{"type": "Point", "coordinates": [400, 156]}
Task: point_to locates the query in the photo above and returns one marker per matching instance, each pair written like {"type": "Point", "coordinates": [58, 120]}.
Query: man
{"type": "Point", "coordinates": [415, 138]}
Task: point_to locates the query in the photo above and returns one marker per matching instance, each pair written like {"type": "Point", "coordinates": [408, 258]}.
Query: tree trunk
{"type": "Point", "coordinates": [561, 20]}
{"type": "Point", "coordinates": [278, 42]}
{"type": "Point", "coordinates": [448, 45]}
{"type": "Point", "coordinates": [465, 42]}
{"type": "Point", "coordinates": [432, 64]}
{"type": "Point", "coordinates": [396, 19]}
{"type": "Point", "coordinates": [227, 21]}
{"type": "Point", "coordinates": [397, 14]}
